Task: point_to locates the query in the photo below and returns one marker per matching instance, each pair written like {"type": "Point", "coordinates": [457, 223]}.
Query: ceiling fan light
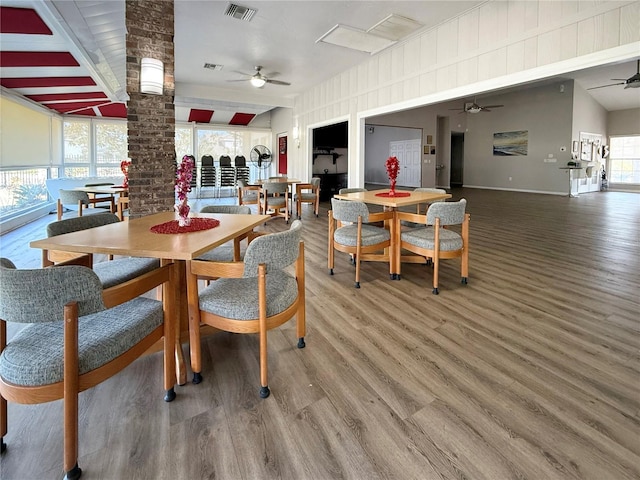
{"type": "Point", "coordinates": [258, 81]}
{"type": "Point", "coordinates": [474, 110]}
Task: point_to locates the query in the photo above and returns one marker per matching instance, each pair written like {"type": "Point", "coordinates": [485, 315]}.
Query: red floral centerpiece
{"type": "Point", "coordinates": [393, 167]}
{"type": "Point", "coordinates": [124, 166]}
{"type": "Point", "coordinates": [183, 186]}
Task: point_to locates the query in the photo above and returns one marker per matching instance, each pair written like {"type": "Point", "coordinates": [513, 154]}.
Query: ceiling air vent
{"type": "Point", "coordinates": [240, 12]}
{"type": "Point", "coordinates": [213, 66]}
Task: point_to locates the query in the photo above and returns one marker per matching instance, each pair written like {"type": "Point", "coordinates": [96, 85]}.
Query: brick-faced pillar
{"type": "Point", "coordinates": [150, 118]}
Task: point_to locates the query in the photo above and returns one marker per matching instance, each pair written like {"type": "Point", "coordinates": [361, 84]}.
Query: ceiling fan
{"type": "Point", "coordinates": [473, 107]}
{"type": "Point", "coordinates": [258, 79]}
{"type": "Point", "coordinates": [631, 82]}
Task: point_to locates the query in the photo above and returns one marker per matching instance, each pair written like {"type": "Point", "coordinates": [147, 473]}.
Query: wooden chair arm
{"type": "Point", "coordinates": [413, 217]}
{"type": "Point", "coordinates": [378, 216]}
{"type": "Point", "coordinates": [206, 269]}
{"type": "Point", "coordinates": [135, 287]}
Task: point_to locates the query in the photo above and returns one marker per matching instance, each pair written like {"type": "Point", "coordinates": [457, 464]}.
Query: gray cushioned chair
{"type": "Point", "coordinates": [435, 240]}
{"type": "Point", "coordinates": [274, 199]}
{"type": "Point", "coordinates": [349, 232]}
{"type": "Point", "coordinates": [110, 273]}
{"type": "Point", "coordinates": [308, 193]}
{"type": "Point", "coordinates": [230, 251]}
{"type": "Point", "coordinates": [251, 296]}
{"type": "Point", "coordinates": [419, 208]}
{"type": "Point", "coordinates": [247, 194]}
{"type": "Point", "coordinates": [81, 201]}
{"type": "Point", "coordinates": [71, 341]}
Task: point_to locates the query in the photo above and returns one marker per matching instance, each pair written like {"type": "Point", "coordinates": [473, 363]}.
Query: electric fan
{"type": "Point", "coordinates": [260, 157]}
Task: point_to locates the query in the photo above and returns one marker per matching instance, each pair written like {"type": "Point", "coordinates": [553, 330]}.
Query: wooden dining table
{"type": "Point", "coordinates": [393, 254]}
{"type": "Point", "coordinates": [134, 238]}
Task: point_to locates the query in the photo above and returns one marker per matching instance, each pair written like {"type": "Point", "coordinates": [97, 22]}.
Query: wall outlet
{"type": "Point", "coordinates": [510, 178]}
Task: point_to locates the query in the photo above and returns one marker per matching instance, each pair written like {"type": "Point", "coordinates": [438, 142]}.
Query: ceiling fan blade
{"type": "Point", "coordinates": [491, 106]}
{"type": "Point", "coordinates": [277, 82]}
{"type": "Point", "coordinates": [461, 109]}
{"type": "Point", "coordinates": [239, 80]}
{"type": "Point", "coordinates": [243, 73]}
{"type": "Point", "coordinates": [602, 86]}
{"type": "Point", "coordinates": [618, 79]}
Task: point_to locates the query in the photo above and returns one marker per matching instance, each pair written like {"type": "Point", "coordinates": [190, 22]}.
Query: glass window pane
{"type": "Point", "coordinates": [111, 143]}
{"type": "Point", "coordinates": [184, 142]}
{"type": "Point", "coordinates": [76, 141]}
{"type": "Point", "coordinates": [624, 160]}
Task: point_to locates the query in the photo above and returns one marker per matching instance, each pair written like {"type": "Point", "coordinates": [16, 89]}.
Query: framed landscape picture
{"type": "Point", "coordinates": [510, 144]}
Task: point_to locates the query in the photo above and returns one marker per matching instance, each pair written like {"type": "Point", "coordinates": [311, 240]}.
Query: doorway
{"type": "Point", "coordinates": [457, 159]}
{"type": "Point", "coordinates": [282, 155]}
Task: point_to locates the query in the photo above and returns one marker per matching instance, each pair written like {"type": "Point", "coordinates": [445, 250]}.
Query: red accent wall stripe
{"type": "Point", "coordinates": [37, 59]}
{"type": "Point", "coordinates": [242, 118]}
{"type": "Point", "coordinates": [200, 116]}
{"type": "Point", "coordinates": [22, 20]}
{"type": "Point", "coordinates": [57, 97]}
{"type": "Point", "coordinates": [30, 82]}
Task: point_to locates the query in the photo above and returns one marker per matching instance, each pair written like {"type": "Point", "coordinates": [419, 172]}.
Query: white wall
{"type": "Point", "coordinates": [500, 43]}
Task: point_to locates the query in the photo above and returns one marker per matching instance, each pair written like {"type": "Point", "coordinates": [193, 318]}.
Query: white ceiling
{"type": "Point", "coordinates": [281, 37]}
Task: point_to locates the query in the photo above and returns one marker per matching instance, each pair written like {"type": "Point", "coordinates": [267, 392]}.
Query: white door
{"type": "Point", "coordinates": [408, 154]}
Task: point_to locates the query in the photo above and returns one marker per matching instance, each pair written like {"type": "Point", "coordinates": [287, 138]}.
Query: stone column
{"type": "Point", "coordinates": [150, 118]}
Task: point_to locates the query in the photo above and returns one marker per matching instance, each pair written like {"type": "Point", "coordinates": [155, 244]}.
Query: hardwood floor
{"type": "Point", "coordinates": [531, 371]}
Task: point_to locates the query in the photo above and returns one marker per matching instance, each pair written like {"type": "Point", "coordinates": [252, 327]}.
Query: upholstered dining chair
{"type": "Point", "coordinates": [435, 240]}
{"type": "Point", "coordinates": [228, 252]}
{"type": "Point", "coordinates": [419, 209]}
{"type": "Point", "coordinates": [274, 199]}
{"type": "Point", "coordinates": [81, 200]}
{"type": "Point", "coordinates": [350, 232]}
{"type": "Point", "coordinates": [111, 273]}
{"type": "Point", "coordinates": [247, 194]}
{"type": "Point", "coordinates": [308, 193]}
{"type": "Point", "coordinates": [253, 296]}
{"type": "Point", "coordinates": [70, 341]}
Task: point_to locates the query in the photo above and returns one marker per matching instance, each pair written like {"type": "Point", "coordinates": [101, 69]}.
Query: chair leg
{"type": "Point", "coordinates": [3, 423]}
{"type": "Point", "coordinates": [71, 390]}
{"type": "Point", "coordinates": [262, 308]}
{"type": "Point", "coordinates": [3, 401]}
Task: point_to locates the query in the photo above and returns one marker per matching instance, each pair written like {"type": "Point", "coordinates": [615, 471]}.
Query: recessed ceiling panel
{"type": "Point", "coordinates": [355, 39]}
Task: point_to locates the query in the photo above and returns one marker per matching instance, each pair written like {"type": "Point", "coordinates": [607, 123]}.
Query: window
{"type": "Point", "coordinates": [77, 149]}
{"type": "Point", "coordinates": [184, 141]}
{"type": "Point", "coordinates": [111, 147]}
{"type": "Point", "coordinates": [624, 160]}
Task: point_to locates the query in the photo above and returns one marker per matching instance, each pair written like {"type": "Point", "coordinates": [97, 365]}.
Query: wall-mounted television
{"type": "Point", "coordinates": [331, 136]}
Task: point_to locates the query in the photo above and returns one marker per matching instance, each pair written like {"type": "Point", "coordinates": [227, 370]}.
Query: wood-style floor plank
{"type": "Point", "coordinates": [531, 371]}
